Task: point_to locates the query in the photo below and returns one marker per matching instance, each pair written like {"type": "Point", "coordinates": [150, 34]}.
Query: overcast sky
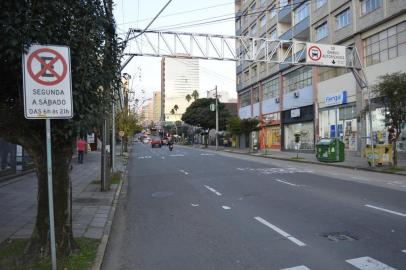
{"type": "Point", "coordinates": [146, 70]}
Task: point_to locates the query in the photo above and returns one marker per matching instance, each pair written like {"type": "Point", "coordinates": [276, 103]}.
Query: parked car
{"type": "Point", "coordinates": [156, 141]}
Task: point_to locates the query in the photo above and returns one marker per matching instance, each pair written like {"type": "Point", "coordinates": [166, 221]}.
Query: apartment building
{"type": "Point", "coordinates": [318, 102]}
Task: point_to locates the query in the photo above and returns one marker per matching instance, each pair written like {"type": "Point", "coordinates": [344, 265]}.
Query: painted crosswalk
{"type": "Point", "coordinates": [361, 263]}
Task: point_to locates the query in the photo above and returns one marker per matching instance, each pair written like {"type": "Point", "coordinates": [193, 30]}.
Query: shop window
{"type": "Point", "coordinates": [306, 136]}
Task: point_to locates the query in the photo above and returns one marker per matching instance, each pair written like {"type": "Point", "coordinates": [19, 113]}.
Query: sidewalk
{"type": "Point", "coordinates": [90, 206]}
{"type": "Point", "coordinates": [351, 161]}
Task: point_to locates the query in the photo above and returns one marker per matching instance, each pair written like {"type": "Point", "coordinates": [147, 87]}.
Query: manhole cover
{"type": "Point", "coordinates": [162, 194]}
{"type": "Point", "coordinates": [339, 236]}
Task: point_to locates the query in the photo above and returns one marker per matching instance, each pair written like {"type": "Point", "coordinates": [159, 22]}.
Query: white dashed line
{"type": "Point", "coordinates": [226, 207]}
{"type": "Point", "coordinates": [386, 210]}
{"type": "Point", "coordinates": [205, 154]}
{"type": "Point", "coordinates": [280, 231]}
{"type": "Point", "coordinates": [359, 178]}
{"type": "Point", "coordinates": [184, 172]}
{"type": "Point", "coordinates": [404, 251]}
{"type": "Point", "coordinates": [287, 183]}
{"type": "Point", "coordinates": [213, 190]}
{"type": "Point", "coordinates": [240, 169]}
{"type": "Point", "coordinates": [177, 155]}
{"type": "Point", "coordinates": [194, 205]}
{"type": "Point", "coordinates": [301, 267]}
{"type": "Point", "coordinates": [368, 263]}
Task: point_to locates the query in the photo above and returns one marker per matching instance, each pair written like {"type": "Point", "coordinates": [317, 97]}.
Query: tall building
{"type": "Point", "coordinates": [156, 111]}
{"type": "Point", "coordinates": [318, 102]}
{"type": "Point", "coordinates": [179, 77]}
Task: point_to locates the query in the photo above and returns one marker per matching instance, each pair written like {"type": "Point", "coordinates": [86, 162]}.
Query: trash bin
{"type": "Point", "coordinates": [382, 154]}
{"type": "Point", "coordinates": [330, 150]}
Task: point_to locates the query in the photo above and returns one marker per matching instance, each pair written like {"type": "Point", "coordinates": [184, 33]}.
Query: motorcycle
{"type": "Point", "coordinates": [170, 147]}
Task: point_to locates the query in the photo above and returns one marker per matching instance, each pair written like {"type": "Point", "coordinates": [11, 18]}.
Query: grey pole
{"type": "Point", "coordinates": [217, 120]}
{"type": "Point", "coordinates": [50, 193]}
{"type": "Point", "coordinates": [113, 139]}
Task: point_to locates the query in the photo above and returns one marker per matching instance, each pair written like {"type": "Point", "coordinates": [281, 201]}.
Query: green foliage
{"type": "Point", "coordinates": [127, 122]}
{"type": "Point", "coordinates": [195, 95]}
{"type": "Point", "coordinates": [234, 125]}
{"type": "Point", "coordinates": [199, 114]}
{"type": "Point", "coordinates": [249, 125]}
{"type": "Point", "coordinates": [188, 97]}
{"type": "Point", "coordinates": [83, 258]}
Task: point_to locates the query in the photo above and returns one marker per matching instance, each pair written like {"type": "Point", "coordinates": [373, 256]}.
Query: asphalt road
{"type": "Point", "coordinates": [196, 209]}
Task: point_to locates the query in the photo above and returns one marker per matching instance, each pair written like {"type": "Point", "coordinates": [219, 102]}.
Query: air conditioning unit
{"type": "Point", "coordinates": [277, 100]}
{"type": "Point", "coordinates": [296, 94]}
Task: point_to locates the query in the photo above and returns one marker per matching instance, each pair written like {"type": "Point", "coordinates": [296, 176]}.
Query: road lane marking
{"type": "Point", "coordinates": [205, 154]}
{"type": "Point", "coordinates": [240, 169]}
{"type": "Point", "coordinates": [280, 231]}
{"type": "Point", "coordinates": [177, 155]}
{"type": "Point", "coordinates": [359, 178]}
{"type": "Point", "coordinates": [287, 183]}
{"type": "Point", "coordinates": [404, 251]}
{"type": "Point", "coordinates": [368, 263]}
{"type": "Point", "coordinates": [301, 267]}
{"type": "Point", "coordinates": [226, 207]}
{"type": "Point", "coordinates": [184, 172]}
{"type": "Point", "coordinates": [386, 210]}
{"type": "Point", "coordinates": [194, 205]}
{"type": "Point", "coordinates": [213, 190]}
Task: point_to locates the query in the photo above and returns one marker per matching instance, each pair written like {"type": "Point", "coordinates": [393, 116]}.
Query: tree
{"type": "Point", "coordinates": [87, 27]}
{"type": "Point", "coordinates": [391, 92]}
{"type": "Point", "coordinates": [195, 95]}
{"type": "Point", "coordinates": [234, 125]}
{"type": "Point", "coordinates": [198, 113]}
{"type": "Point", "coordinates": [188, 97]}
{"type": "Point", "coordinates": [127, 122]}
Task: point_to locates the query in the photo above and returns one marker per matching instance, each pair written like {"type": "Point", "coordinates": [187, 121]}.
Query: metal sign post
{"type": "Point", "coordinates": [48, 95]}
{"type": "Point", "coordinates": [50, 193]}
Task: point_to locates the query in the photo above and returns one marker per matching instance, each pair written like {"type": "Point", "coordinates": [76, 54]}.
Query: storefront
{"type": "Point", "coordinates": [339, 120]}
{"type": "Point", "coordinates": [298, 120]}
{"type": "Point", "coordinates": [271, 131]}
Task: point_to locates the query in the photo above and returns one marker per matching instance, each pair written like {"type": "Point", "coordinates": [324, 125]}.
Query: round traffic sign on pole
{"type": "Point", "coordinates": [47, 69]}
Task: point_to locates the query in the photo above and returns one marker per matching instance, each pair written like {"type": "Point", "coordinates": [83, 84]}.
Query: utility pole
{"type": "Point", "coordinates": [217, 120]}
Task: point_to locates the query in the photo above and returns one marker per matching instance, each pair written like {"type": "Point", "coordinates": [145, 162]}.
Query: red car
{"type": "Point", "coordinates": [156, 141]}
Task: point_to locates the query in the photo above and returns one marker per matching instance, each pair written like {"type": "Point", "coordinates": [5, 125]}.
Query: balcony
{"type": "Point", "coordinates": [288, 35]}
{"type": "Point", "coordinates": [284, 15]}
{"type": "Point", "coordinates": [302, 29]}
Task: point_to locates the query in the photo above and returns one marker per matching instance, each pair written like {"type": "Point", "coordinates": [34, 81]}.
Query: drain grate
{"type": "Point", "coordinates": [339, 236]}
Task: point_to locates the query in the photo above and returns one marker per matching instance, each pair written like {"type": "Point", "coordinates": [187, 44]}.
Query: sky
{"type": "Point", "coordinates": [146, 70]}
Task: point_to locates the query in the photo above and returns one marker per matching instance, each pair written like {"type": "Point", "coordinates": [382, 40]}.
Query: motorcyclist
{"type": "Point", "coordinates": [170, 143]}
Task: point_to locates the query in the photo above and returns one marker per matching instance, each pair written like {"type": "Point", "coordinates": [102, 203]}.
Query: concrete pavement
{"type": "Point", "coordinates": [90, 207]}
{"type": "Point", "coordinates": [351, 160]}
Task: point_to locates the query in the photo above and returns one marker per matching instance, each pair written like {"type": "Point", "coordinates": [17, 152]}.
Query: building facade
{"type": "Point", "coordinates": [318, 102]}
{"type": "Point", "coordinates": [179, 77]}
{"type": "Point", "coordinates": [156, 110]}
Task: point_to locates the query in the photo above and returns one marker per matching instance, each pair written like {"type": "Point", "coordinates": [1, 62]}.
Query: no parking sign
{"type": "Point", "coordinates": [47, 82]}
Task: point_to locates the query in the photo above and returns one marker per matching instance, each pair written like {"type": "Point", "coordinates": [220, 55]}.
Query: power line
{"type": "Point", "coordinates": [178, 13]}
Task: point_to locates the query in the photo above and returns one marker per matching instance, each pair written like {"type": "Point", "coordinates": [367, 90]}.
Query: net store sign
{"type": "Point", "coordinates": [47, 83]}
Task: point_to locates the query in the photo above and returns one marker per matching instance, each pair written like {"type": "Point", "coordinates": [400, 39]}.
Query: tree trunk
{"type": "Point", "coordinates": [395, 153]}
{"type": "Point", "coordinates": [39, 244]}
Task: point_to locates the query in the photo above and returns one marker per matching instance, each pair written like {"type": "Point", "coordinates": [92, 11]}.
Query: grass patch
{"type": "Point", "coordinates": [395, 169]}
{"type": "Point", "coordinates": [81, 259]}
{"type": "Point", "coordinates": [297, 158]}
{"type": "Point", "coordinates": [116, 177]}
{"type": "Point", "coordinates": [95, 182]}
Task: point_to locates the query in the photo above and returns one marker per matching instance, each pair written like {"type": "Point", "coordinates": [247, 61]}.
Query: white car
{"type": "Point", "coordinates": [146, 140]}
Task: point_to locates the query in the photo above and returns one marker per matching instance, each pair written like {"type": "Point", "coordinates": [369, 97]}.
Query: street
{"type": "Point", "coordinates": [198, 209]}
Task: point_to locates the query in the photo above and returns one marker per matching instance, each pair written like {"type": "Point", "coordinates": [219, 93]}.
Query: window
{"type": "Point", "coordinates": [254, 72]}
{"type": "Point", "coordinates": [368, 6]}
{"type": "Point", "coordinates": [246, 75]}
{"type": "Point", "coordinates": [297, 79]}
{"type": "Point", "coordinates": [343, 19]}
{"type": "Point", "coordinates": [262, 21]}
{"type": "Point", "coordinates": [253, 31]}
{"type": "Point", "coordinates": [273, 12]}
{"type": "Point", "coordinates": [326, 73]}
{"type": "Point", "coordinates": [385, 45]}
{"type": "Point", "coordinates": [320, 3]}
{"type": "Point", "coordinates": [262, 67]}
{"type": "Point", "coordinates": [238, 79]}
{"type": "Point", "coordinates": [321, 31]}
{"type": "Point", "coordinates": [245, 99]}
{"type": "Point", "coordinates": [255, 94]}
{"type": "Point", "coordinates": [271, 89]}
{"type": "Point", "coordinates": [273, 35]}
{"type": "Point", "coordinates": [302, 12]}
{"type": "Point", "coordinates": [283, 3]}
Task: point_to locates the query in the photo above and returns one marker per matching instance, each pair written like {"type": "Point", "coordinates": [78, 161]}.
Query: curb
{"type": "Point", "coordinates": [301, 161]}
{"type": "Point", "coordinates": [103, 244]}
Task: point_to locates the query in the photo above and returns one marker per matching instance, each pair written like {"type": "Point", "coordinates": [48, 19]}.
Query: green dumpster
{"type": "Point", "coordinates": [330, 150]}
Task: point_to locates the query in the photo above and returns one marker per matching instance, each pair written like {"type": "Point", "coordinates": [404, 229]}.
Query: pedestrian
{"type": "Point", "coordinates": [81, 146]}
